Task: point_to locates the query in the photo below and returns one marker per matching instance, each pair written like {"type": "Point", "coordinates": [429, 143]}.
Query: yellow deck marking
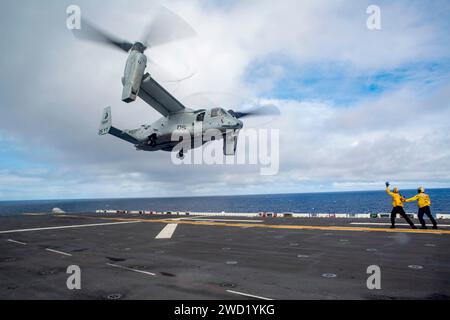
{"type": "Point", "coordinates": [279, 226]}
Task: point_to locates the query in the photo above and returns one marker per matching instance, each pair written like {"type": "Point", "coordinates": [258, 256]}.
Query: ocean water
{"type": "Point", "coordinates": [337, 202]}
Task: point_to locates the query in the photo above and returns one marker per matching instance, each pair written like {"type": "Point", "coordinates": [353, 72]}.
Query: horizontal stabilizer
{"type": "Point", "coordinates": [123, 135]}
{"type": "Point", "coordinates": [106, 127]}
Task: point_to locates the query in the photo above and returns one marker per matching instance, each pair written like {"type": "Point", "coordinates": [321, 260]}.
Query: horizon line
{"type": "Point", "coordinates": [211, 196]}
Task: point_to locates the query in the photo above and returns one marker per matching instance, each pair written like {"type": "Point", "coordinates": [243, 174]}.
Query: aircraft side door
{"type": "Point", "coordinates": [199, 124]}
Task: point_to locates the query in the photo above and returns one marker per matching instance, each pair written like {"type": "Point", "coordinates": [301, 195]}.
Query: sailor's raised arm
{"type": "Point", "coordinates": [412, 199]}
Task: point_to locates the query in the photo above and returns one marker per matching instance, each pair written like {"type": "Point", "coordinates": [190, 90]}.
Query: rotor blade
{"type": "Point", "coordinates": [90, 32]}
{"type": "Point", "coordinates": [166, 27]}
{"type": "Point", "coordinates": [265, 110]}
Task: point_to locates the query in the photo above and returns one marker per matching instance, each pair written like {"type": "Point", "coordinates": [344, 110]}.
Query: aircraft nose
{"type": "Point", "coordinates": [233, 124]}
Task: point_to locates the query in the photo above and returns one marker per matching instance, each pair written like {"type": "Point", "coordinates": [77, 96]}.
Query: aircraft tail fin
{"type": "Point", "coordinates": [106, 123]}
{"type": "Point", "coordinates": [106, 127]}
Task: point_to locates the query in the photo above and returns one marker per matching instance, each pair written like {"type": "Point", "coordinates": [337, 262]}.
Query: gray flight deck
{"type": "Point", "coordinates": [219, 258]}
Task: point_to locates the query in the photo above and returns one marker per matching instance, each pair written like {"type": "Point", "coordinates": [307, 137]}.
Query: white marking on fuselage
{"type": "Point", "coordinates": [248, 295]}
{"type": "Point", "coordinates": [167, 231]}
{"type": "Point", "coordinates": [130, 269]}
{"type": "Point", "coordinates": [67, 227]}
{"type": "Point", "coordinates": [15, 241]}
{"type": "Point", "coordinates": [59, 252]}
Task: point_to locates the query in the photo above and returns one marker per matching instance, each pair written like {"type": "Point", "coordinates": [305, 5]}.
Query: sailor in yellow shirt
{"type": "Point", "coordinates": [397, 204]}
{"type": "Point", "coordinates": [424, 202]}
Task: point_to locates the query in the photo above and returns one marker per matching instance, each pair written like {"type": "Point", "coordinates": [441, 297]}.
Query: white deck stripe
{"type": "Point", "coordinates": [67, 227]}
{"type": "Point", "coordinates": [388, 224]}
{"type": "Point", "coordinates": [59, 252]}
{"type": "Point", "coordinates": [167, 232]}
{"type": "Point", "coordinates": [130, 269]}
{"type": "Point", "coordinates": [248, 295]}
{"type": "Point", "coordinates": [15, 241]}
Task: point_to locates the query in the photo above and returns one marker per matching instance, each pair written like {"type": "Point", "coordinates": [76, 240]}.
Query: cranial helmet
{"type": "Point", "coordinates": [421, 190]}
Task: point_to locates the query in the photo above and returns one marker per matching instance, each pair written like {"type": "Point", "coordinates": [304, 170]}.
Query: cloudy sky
{"type": "Point", "coordinates": [358, 106]}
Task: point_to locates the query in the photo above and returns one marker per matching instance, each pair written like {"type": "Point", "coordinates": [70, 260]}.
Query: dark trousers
{"type": "Point", "coordinates": [401, 212]}
{"type": "Point", "coordinates": [426, 210]}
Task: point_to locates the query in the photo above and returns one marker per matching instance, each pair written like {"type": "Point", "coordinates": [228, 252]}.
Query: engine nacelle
{"type": "Point", "coordinates": [132, 76]}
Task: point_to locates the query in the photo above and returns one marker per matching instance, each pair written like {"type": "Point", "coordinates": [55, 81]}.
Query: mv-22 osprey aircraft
{"type": "Point", "coordinates": [167, 27]}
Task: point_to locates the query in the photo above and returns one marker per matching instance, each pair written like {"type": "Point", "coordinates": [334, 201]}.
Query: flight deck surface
{"type": "Point", "coordinates": [163, 257]}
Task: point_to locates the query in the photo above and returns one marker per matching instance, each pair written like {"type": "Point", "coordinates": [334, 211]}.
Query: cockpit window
{"type": "Point", "coordinates": [214, 112]}
{"type": "Point", "coordinates": [217, 112]}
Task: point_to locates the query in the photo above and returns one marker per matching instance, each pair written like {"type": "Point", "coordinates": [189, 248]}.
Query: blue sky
{"type": "Point", "coordinates": [9, 158]}
{"type": "Point", "coordinates": [340, 84]}
{"type": "Point", "coordinates": [358, 106]}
